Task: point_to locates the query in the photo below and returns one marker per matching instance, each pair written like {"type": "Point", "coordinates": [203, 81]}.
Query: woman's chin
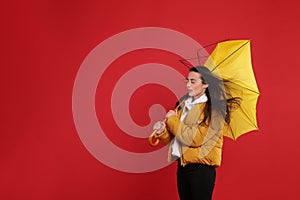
{"type": "Point", "coordinates": [191, 94]}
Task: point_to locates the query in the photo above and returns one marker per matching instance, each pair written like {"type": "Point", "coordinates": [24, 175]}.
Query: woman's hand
{"type": "Point", "coordinates": [170, 114]}
{"type": "Point", "coordinates": [159, 127]}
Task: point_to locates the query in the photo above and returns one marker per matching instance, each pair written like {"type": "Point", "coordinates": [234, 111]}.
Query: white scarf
{"type": "Point", "coordinates": [189, 103]}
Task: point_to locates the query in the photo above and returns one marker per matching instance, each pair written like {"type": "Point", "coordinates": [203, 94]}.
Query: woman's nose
{"type": "Point", "coordinates": [188, 84]}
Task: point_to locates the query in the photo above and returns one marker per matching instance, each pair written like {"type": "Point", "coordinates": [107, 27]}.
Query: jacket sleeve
{"type": "Point", "coordinates": [165, 137]}
{"type": "Point", "coordinates": [194, 136]}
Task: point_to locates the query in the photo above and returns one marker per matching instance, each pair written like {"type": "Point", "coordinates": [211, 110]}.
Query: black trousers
{"type": "Point", "coordinates": [195, 181]}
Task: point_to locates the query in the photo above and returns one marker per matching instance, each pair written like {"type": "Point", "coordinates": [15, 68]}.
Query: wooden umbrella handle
{"type": "Point", "coordinates": [153, 135]}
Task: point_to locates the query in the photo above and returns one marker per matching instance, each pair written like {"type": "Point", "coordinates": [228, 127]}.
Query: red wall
{"type": "Point", "coordinates": [44, 44]}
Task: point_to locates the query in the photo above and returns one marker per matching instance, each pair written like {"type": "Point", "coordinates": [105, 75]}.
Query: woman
{"type": "Point", "coordinates": [197, 132]}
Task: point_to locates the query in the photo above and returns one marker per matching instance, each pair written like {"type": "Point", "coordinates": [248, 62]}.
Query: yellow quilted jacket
{"type": "Point", "coordinates": [198, 143]}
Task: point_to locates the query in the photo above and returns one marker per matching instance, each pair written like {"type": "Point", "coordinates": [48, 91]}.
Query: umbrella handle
{"type": "Point", "coordinates": [150, 139]}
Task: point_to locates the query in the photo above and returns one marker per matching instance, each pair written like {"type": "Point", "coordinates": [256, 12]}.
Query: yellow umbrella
{"type": "Point", "coordinates": [231, 60]}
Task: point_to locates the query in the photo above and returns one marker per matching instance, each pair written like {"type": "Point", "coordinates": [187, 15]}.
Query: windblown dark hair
{"type": "Point", "coordinates": [216, 95]}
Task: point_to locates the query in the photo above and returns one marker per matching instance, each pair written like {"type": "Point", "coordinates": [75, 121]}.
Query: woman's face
{"type": "Point", "coordinates": [194, 85]}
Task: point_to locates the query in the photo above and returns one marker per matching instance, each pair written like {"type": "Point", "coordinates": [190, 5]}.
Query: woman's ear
{"type": "Point", "coordinates": [205, 86]}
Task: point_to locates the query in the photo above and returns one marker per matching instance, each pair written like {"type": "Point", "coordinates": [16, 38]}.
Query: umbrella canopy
{"type": "Point", "coordinates": [231, 60]}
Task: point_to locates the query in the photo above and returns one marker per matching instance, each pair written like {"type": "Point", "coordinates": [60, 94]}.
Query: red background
{"type": "Point", "coordinates": [43, 44]}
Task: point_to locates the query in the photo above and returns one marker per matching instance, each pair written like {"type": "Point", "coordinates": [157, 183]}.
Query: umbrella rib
{"type": "Point", "coordinates": [184, 61]}
{"type": "Point", "coordinates": [232, 133]}
{"type": "Point", "coordinates": [244, 88]}
{"type": "Point", "coordinates": [246, 114]}
{"type": "Point", "coordinates": [229, 56]}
